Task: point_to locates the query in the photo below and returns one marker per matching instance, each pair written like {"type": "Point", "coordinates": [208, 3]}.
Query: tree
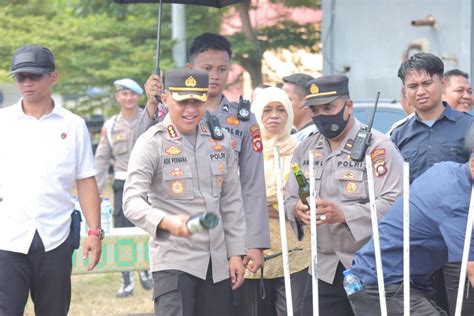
{"type": "Point", "coordinates": [97, 41]}
{"type": "Point", "coordinates": [250, 45]}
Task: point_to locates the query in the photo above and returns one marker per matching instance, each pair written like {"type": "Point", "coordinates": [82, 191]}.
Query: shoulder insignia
{"type": "Point", "coordinates": [232, 120]}
{"type": "Point", "coordinates": [203, 128]}
{"type": "Point", "coordinates": [255, 128]}
{"type": "Point", "coordinates": [225, 107]}
{"type": "Point", "coordinates": [377, 153]}
{"type": "Point", "coordinates": [171, 131]}
{"type": "Point", "coordinates": [256, 138]}
{"type": "Point", "coordinates": [380, 168]}
{"type": "Point", "coordinates": [172, 150]}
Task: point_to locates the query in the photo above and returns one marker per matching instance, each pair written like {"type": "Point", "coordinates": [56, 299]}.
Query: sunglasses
{"type": "Point", "coordinates": [21, 77]}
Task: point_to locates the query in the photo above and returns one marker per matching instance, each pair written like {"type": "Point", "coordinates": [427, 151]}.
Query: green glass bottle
{"type": "Point", "coordinates": [303, 193]}
{"type": "Point", "coordinates": [303, 185]}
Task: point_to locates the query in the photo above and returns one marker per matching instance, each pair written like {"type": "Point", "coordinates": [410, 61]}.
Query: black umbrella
{"type": "Point", "coordinates": [207, 3]}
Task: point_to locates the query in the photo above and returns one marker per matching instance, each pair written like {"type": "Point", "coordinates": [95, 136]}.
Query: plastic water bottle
{"type": "Point", "coordinates": [351, 283]}
{"type": "Point", "coordinates": [202, 222]}
{"type": "Point", "coordinates": [106, 214]}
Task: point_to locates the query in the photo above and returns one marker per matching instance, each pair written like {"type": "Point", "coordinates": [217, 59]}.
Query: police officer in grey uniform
{"type": "Point", "coordinates": [116, 143]}
{"type": "Point", "coordinates": [343, 214]}
{"type": "Point", "coordinates": [212, 53]}
{"type": "Point", "coordinates": [178, 170]}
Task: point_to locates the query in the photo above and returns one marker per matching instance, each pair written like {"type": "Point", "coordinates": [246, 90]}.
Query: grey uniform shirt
{"type": "Point", "coordinates": [168, 175]}
{"type": "Point", "coordinates": [116, 142]}
{"type": "Point", "coordinates": [343, 181]}
{"type": "Point", "coordinates": [246, 141]}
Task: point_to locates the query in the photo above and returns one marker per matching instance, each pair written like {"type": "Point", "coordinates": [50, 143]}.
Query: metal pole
{"type": "Point", "coordinates": [375, 234]}
{"type": "Point", "coordinates": [406, 239]}
{"type": "Point", "coordinates": [314, 236]}
{"type": "Point", "coordinates": [178, 34]}
{"type": "Point", "coordinates": [284, 241]}
{"type": "Point", "coordinates": [158, 39]}
{"type": "Point", "coordinates": [465, 255]}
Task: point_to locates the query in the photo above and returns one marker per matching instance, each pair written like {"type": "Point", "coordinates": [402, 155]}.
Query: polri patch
{"type": "Point", "coordinates": [351, 187]}
{"type": "Point", "coordinates": [172, 150]}
{"type": "Point", "coordinates": [232, 120]}
{"type": "Point", "coordinates": [177, 187]}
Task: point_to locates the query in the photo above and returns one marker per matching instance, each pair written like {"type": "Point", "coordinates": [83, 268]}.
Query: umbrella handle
{"type": "Point", "coordinates": [158, 45]}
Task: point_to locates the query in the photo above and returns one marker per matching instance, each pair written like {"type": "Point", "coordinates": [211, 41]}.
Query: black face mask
{"type": "Point", "coordinates": [331, 125]}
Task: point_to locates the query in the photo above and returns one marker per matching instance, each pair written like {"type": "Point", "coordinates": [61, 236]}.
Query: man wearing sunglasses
{"type": "Point", "coordinates": [45, 151]}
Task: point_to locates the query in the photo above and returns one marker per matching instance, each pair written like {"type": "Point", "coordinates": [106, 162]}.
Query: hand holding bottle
{"type": "Point", "coordinates": [175, 225]}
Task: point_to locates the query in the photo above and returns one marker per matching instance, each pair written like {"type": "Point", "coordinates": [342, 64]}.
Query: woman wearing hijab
{"type": "Point", "coordinates": [274, 114]}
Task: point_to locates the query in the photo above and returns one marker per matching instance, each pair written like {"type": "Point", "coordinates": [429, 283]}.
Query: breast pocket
{"type": "Point", "coordinates": [120, 143]}
{"type": "Point", "coordinates": [178, 182]}
{"type": "Point", "coordinates": [452, 153]}
{"type": "Point", "coordinates": [218, 170]}
{"type": "Point", "coordinates": [351, 185]}
{"type": "Point", "coordinates": [60, 157]}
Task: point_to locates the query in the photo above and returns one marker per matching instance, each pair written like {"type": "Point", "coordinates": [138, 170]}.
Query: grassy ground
{"type": "Point", "coordinates": [94, 294]}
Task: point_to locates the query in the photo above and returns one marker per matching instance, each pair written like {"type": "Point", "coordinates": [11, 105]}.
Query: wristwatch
{"type": "Point", "coordinates": [99, 232]}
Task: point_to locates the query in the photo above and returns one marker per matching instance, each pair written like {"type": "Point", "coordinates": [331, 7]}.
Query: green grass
{"type": "Point", "coordinates": [94, 294]}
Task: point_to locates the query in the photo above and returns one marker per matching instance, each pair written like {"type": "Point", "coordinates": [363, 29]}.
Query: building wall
{"type": "Point", "coordinates": [367, 39]}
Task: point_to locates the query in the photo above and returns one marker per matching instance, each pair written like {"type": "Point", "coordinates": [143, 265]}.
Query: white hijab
{"type": "Point", "coordinates": [283, 139]}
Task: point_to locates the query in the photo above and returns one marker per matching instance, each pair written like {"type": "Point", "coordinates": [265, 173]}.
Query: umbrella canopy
{"type": "Point", "coordinates": [207, 3]}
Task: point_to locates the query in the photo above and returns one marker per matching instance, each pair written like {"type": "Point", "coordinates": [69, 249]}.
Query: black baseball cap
{"type": "Point", "coordinates": [33, 59]}
{"type": "Point", "coordinates": [325, 89]}
{"type": "Point", "coordinates": [186, 84]}
{"type": "Point", "coordinates": [299, 79]}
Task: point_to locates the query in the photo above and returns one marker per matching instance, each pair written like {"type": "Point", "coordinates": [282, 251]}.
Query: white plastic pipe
{"type": "Point", "coordinates": [314, 236]}
{"type": "Point", "coordinates": [284, 239]}
{"type": "Point", "coordinates": [375, 235]}
{"type": "Point", "coordinates": [465, 256]}
{"type": "Point", "coordinates": [406, 239]}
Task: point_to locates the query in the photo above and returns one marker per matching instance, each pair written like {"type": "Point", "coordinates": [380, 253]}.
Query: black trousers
{"type": "Point", "coordinates": [332, 297]}
{"type": "Point", "coordinates": [451, 273]}
{"type": "Point", "coordinates": [366, 302]}
{"type": "Point", "coordinates": [46, 274]}
{"type": "Point", "coordinates": [274, 304]}
{"type": "Point", "coordinates": [177, 293]}
{"type": "Point", "coordinates": [119, 219]}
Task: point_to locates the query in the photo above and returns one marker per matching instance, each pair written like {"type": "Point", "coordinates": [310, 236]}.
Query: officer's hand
{"type": "Point", "coordinates": [153, 88]}
{"type": "Point", "coordinates": [236, 270]}
{"type": "Point", "coordinates": [301, 213]}
{"type": "Point", "coordinates": [470, 272]}
{"type": "Point", "coordinates": [175, 225]}
{"type": "Point", "coordinates": [93, 246]}
{"type": "Point", "coordinates": [328, 212]}
{"type": "Point", "coordinates": [254, 259]}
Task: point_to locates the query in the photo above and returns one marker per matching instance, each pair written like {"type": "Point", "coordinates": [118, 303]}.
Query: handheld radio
{"type": "Point", "coordinates": [363, 137]}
